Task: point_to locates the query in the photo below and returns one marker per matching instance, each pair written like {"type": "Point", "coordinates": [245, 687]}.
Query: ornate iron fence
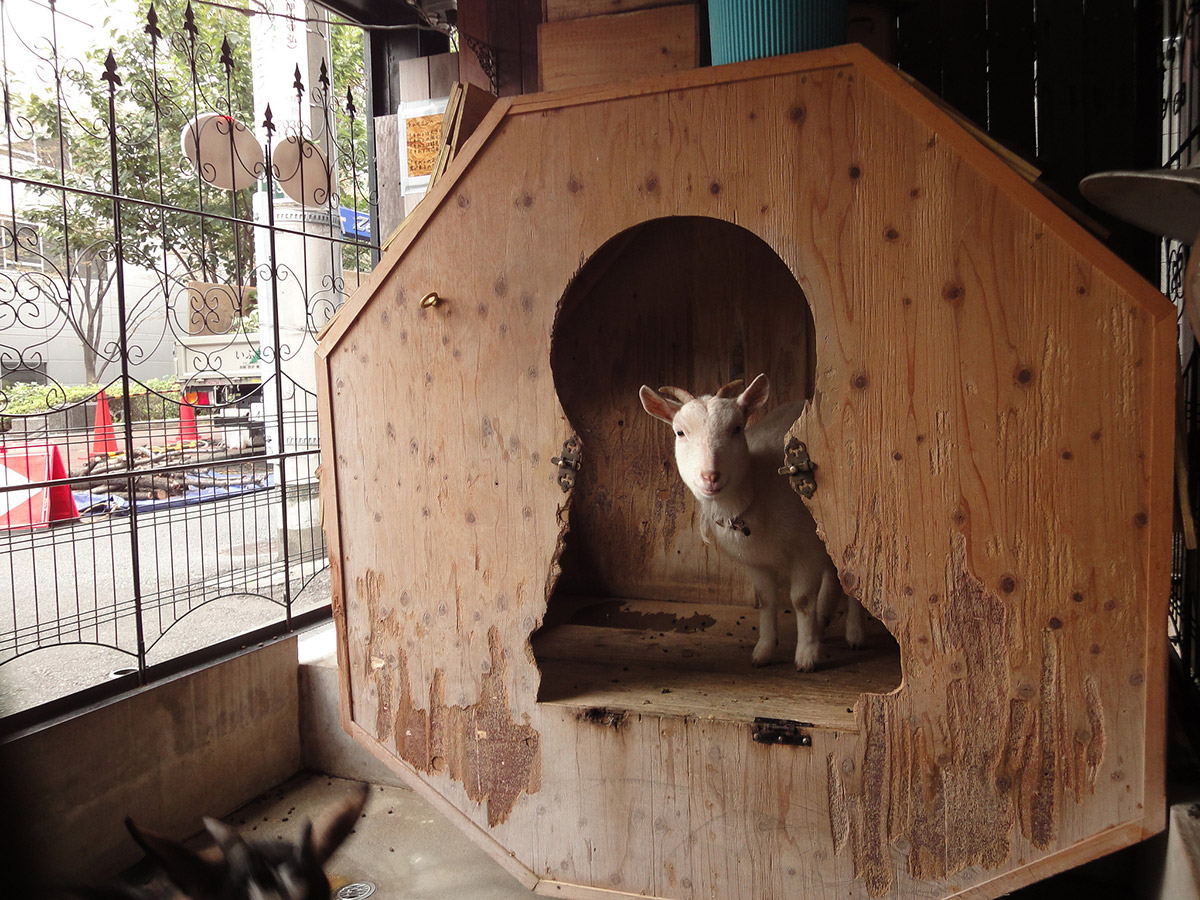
{"type": "Point", "coordinates": [182, 203]}
{"type": "Point", "coordinates": [1180, 129]}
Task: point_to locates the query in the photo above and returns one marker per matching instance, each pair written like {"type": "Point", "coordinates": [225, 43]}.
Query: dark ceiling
{"type": "Point", "coordinates": [374, 12]}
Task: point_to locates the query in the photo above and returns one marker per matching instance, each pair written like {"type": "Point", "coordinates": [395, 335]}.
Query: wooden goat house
{"type": "Point", "coordinates": [532, 632]}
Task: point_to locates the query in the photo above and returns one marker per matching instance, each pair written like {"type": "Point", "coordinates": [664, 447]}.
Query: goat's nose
{"type": "Point", "coordinates": [711, 477]}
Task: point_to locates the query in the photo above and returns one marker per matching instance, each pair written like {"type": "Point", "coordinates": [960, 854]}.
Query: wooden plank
{"type": "Point", "coordinates": [531, 18]}
{"type": "Point", "coordinates": [557, 10]}
{"type": "Point", "coordinates": [474, 107]}
{"type": "Point", "coordinates": [577, 52]}
{"type": "Point", "coordinates": [706, 672]}
{"type": "Point", "coordinates": [412, 77]}
{"type": "Point", "coordinates": [502, 34]}
{"type": "Point", "coordinates": [387, 173]}
{"type": "Point", "coordinates": [443, 74]}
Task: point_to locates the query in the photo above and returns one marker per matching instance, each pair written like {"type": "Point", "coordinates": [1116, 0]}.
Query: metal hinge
{"type": "Point", "coordinates": [568, 463]}
{"type": "Point", "coordinates": [780, 731]}
{"type": "Point", "coordinates": [800, 468]}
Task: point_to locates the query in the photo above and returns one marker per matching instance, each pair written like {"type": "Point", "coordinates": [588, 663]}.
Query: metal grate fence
{"type": "Point", "coordinates": [183, 205]}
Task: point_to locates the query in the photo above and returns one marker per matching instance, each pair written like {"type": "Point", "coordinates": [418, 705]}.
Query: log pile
{"type": "Point", "coordinates": [156, 473]}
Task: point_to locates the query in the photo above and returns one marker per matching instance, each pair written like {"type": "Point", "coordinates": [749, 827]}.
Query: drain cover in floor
{"type": "Point", "coordinates": [359, 890]}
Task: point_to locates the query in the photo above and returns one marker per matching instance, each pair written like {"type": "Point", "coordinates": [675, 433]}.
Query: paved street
{"type": "Point", "coordinates": [207, 572]}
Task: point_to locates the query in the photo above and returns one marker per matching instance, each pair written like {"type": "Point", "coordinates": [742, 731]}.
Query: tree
{"type": "Point", "coordinates": [143, 208]}
{"type": "Point", "coordinates": [346, 46]}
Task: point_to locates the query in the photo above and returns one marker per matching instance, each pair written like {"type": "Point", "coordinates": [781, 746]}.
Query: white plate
{"type": "Point", "coordinates": [223, 150]}
{"type": "Point", "coordinates": [302, 170]}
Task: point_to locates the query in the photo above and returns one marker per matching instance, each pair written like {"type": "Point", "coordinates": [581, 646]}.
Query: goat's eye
{"type": "Point", "coordinates": [737, 429]}
{"type": "Point", "coordinates": [679, 434]}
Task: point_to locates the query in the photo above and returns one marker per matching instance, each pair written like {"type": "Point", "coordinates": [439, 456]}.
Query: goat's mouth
{"type": "Point", "coordinates": [711, 490]}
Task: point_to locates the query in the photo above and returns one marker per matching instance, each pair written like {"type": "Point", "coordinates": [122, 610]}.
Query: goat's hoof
{"type": "Point", "coordinates": [762, 654]}
{"type": "Point", "coordinates": [806, 658]}
{"type": "Point", "coordinates": [856, 638]}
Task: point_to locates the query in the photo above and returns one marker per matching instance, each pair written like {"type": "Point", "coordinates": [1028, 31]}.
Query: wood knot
{"type": "Point", "coordinates": [797, 114]}
{"type": "Point", "coordinates": [1008, 584]}
{"type": "Point", "coordinates": [859, 381]}
{"type": "Point", "coordinates": [855, 172]}
{"type": "Point", "coordinates": [714, 188]}
{"type": "Point", "coordinates": [953, 293]}
{"type": "Point", "coordinates": [1023, 375]}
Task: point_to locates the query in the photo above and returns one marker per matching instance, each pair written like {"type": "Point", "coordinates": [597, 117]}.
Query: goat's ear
{"type": "Point", "coordinates": [755, 395]}
{"type": "Point", "coordinates": [334, 825]}
{"type": "Point", "coordinates": [195, 876]}
{"type": "Point", "coordinates": [662, 408]}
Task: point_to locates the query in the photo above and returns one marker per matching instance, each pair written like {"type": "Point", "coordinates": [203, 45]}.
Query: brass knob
{"type": "Point", "coordinates": [430, 300]}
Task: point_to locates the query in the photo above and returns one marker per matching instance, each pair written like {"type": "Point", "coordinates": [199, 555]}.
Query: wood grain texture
{"type": "Point", "coordinates": [992, 423]}
{"type": "Point", "coordinates": [600, 49]}
{"type": "Point", "coordinates": [555, 10]}
{"type": "Point", "coordinates": [689, 659]}
{"type": "Point", "coordinates": [387, 173]}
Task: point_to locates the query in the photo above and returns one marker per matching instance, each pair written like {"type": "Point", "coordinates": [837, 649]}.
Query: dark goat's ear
{"type": "Point", "coordinates": [334, 825]}
{"type": "Point", "coordinates": [194, 875]}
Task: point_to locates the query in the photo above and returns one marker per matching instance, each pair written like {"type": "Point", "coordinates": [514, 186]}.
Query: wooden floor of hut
{"type": "Point", "coordinates": [694, 660]}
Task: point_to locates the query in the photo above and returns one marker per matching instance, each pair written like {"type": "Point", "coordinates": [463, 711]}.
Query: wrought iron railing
{"type": "Point", "coordinates": [170, 237]}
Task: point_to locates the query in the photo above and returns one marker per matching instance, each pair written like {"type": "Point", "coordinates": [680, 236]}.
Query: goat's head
{"type": "Point", "coordinates": [238, 868]}
{"type": "Point", "coordinates": [710, 432]}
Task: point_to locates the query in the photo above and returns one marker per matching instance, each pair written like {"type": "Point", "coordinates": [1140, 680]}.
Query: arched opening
{"type": "Point", "coordinates": [644, 615]}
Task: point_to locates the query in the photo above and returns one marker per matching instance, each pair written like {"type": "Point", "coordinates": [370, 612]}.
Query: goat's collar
{"type": "Point", "coordinates": [733, 523]}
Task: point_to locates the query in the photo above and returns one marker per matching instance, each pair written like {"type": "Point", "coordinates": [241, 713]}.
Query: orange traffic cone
{"type": "Point", "coordinates": [187, 423]}
{"type": "Point", "coordinates": [104, 436]}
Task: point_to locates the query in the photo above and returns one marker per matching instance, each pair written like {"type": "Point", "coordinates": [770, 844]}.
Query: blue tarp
{"type": "Point", "coordinates": [107, 504]}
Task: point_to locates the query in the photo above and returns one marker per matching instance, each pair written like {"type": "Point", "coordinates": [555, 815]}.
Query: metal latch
{"type": "Point", "coordinates": [780, 731]}
{"type": "Point", "coordinates": [568, 463]}
{"type": "Point", "coordinates": [800, 468]}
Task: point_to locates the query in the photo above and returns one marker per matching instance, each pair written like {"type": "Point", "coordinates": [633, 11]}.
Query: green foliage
{"type": "Point", "coordinates": [156, 398]}
{"type": "Point", "coordinates": [156, 85]}
{"type": "Point", "coordinates": [346, 46]}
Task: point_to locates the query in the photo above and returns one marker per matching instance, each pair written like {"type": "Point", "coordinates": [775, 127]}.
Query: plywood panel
{"type": "Point", "coordinates": [687, 659]}
{"type": "Point", "coordinates": [696, 303]}
{"type": "Point", "coordinates": [992, 423]}
{"type": "Point", "coordinates": [577, 9]}
{"type": "Point", "coordinates": [387, 173]}
{"type": "Point", "coordinates": [600, 49]}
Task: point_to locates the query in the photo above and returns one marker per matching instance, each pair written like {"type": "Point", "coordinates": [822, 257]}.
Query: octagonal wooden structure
{"type": "Point", "coordinates": [566, 672]}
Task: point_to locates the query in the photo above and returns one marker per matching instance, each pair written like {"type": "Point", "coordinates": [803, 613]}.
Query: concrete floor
{"type": "Point", "coordinates": [401, 845]}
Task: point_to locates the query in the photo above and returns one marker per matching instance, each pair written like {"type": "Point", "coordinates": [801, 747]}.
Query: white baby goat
{"type": "Point", "coordinates": [752, 512]}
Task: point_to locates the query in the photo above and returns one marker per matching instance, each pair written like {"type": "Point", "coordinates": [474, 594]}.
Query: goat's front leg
{"type": "Point", "coordinates": [856, 623]}
{"type": "Point", "coordinates": [808, 623]}
{"type": "Point", "coordinates": [766, 598]}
